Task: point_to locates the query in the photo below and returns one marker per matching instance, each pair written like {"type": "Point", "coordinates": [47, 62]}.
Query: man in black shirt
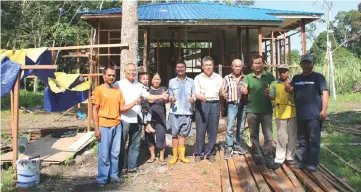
{"type": "Point", "coordinates": [311, 99]}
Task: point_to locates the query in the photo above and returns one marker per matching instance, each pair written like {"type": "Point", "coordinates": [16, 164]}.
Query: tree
{"type": "Point", "coordinates": [295, 56]}
{"type": "Point", "coordinates": [129, 33]}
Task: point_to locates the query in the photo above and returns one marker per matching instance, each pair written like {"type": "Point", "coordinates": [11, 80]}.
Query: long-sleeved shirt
{"type": "Point", "coordinates": [182, 90]}
{"type": "Point", "coordinates": [210, 87]}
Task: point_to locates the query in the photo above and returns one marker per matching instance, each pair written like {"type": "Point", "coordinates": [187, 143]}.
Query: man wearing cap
{"type": "Point", "coordinates": [285, 114]}
{"type": "Point", "coordinates": [236, 102]}
{"type": "Point", "coordinates": [259, 110]}
{"type": "Point", "coordinates": [311, 99]}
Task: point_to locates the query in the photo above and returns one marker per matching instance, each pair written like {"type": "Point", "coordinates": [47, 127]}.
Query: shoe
{"type": "Point", "coordinates": [276, 166]}
{"type": "Point", "coordinates": [211, 158]}
{"type": "Point", "coordinates": [101, 185]}
{"type": "Point", "coordinates": [240, 150]}
{"type": "Point", "coordinates": [228, 153]}
{"type": "Point", "coordinates": [135, 170]}
{"type": "Point", "coordinates": [197, 159]}
{"type": "Point", "coordinates": [299, 165]}
{"type": "Point", "coordinates": [175, 156]}
{"type": "Point", "coordinates": [269, 163]}
{"type": "Point", "coordinates": [124, 173]}
{"type": "Point", "coordinates": [258, 159]}
{"type": "Point", "coordinates": [291, 162]}
{"type": "Point", "coordinates": [182, 157]}
{"type": "Point", "coordinates": [311, 168]}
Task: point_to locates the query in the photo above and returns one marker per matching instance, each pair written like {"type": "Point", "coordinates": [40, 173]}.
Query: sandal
{"type": "Point", "coordinates": [151, 160]}
{"type": "Point", "coordinates": [162, 162]}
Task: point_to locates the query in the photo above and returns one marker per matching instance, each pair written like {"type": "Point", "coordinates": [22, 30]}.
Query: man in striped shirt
{"type": "Point", "coordinates": [231, 92]}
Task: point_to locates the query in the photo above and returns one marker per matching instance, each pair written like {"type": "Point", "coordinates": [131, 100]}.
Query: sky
{"type": "Point", "coordinates": [310, 6]}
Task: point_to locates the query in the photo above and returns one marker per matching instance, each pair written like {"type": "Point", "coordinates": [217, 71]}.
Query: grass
{"type": "Point", "coordinates": [26, 99]}
{"type": "Point", "coordinates": [342, 113]}
{"type": "Point", "coordinates": [7, 180]}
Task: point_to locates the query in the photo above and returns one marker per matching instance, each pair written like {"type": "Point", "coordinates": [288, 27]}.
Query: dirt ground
{"type": "Point", "coordinates": [79, 175]}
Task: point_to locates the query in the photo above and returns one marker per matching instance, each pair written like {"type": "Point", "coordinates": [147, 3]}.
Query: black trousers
{"type": "Point", "coordinates": [207, 120]}
{"type": "Point", "coordinates": [309, 139]}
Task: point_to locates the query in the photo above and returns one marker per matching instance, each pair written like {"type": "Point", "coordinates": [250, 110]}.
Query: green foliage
{"type": "Point", "coordinates": [296, 57]}
{"type": "Point", "coordinates": [26, 99]}
{"type": "Point", "coordinates": [7, 180]}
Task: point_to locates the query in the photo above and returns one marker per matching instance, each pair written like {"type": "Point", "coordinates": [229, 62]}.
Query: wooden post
{"type": "Point", "coordinates": [238, 43]}
{"type": "Point", "coordinates": [179, 46]}
{"type": "Point", "coordinates": [98, 58]}
{"type": "Point", "coordinates": [247, 49]}
{"type": "Point", "coordinates": [90, 106]}
{"type": "Point", "coordinates": [265, 50]}
{"type": "Point", "coordinates": [145, 49]}
{"type": "Point", "coordinates": [222, 48]}
{"type": "Point", "coordinates": [276, 48]}
{"type": "Point", "coordinates": [241, 44]}
{"type": "Point", "coordinates": [158, 64]}
{"type": "Point", "coordinates": [108, 48]}
{"type": "Point", "coordinates": [285, 47]}
{"type": "Point", "coordinates": [272, 53]}
{"type": "Point", "coordinates": [280, 50]}
{"type": "Point", "coordinates": [303, 36]}
{"type": "Point", "coordinates": [289, 50]}
{"type": "Point", "coordinates": [260, 41]}
{"type": "Point", "coordinates": [209, 47]}
{"type": "Point", "coordinates": [15, 119]}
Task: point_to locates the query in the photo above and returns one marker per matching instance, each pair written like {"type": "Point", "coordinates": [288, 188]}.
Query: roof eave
{"type": "Point", "coordinates": [210, 22]}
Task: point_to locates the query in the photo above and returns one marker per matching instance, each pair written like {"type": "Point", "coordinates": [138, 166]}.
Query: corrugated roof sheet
{"type": "Point", "coordinates": [200, 11]}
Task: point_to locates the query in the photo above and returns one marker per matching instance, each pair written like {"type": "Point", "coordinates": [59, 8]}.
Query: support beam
{"type": "Point", "coordinates": [289, 50]}
{"type": "Point", "coordinates": [121, 45]}
{"type": "Point", "coordinates": [247, 49]}
{"type": "Point", "coordinates": [158, 55]}
{"type": "Point", "coordinates": [241, 44]}
{"type": "Point", "coordinates": [238, 43]}
{"type": "Point", "coordinates": [260, 41]}
{"type": "Point", "coordinates": [303, 36]}
{"type": "Point", "coordinates": [145, 50]}
{"type": "Point", "coordinates": [222, 48]}
{"type": "Point", "coordinates": [108, 48]}
{"type": "Point", "coordinates": [179, 44]}
{"type": "Point", "coordinates": [272, 49]}
{"type": "Point", "coordinates": [97, 65]}
{"type": "Point", "coordinates": [15, 118]}
{"type": "Point", "coordinates": [276, 48]}
{"type": "Point", "coordinates": [285, 48]}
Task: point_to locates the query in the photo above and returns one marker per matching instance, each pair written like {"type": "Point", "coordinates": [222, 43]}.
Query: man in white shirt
{"type": "Point", "coordinates": [208, 86]}
{"type": "Point", "coordinates": [131, 90]}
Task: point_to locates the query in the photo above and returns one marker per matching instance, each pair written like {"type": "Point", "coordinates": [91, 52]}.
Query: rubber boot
{"type": "Point", "coordinates": [182, 157]}
{"type": "Point", "coordinates": [175, 156]}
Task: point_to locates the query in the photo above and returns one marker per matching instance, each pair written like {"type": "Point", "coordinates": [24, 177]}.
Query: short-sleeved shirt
{"type": "Point", "coordinates": [210, 87]}
{"type": "Point", "coordinates": [284, 102]}
{"type": "Point", "coordinates": [131, 91]}
{"type": "Point", "coordinates": [182, 90]}
{"type": "Point", "coordinates": [109, 100]}
{"type": "Point", "coordinates": [233, 88]}
{"type": "Point", "coordinates": [158, 106]}
{"type": "Point", "coordinates": [308, 95]}
{"type": "Point", "coordinates": [258, 102]}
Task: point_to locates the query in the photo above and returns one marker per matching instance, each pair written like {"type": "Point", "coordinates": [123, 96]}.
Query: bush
{"type": "Point", "coordinates": [7, 180]}
{"type": "Point", "coordinates": [26, 99]}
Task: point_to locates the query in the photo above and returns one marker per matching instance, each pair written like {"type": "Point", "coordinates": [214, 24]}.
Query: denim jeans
{"type": "Point", "coordinates": [108, 153]}
{"type": "Point", "coordinates": [130, 157]}
{"type": "Point", "coordinates": [235, 112]}
{"type": "Point", "coordinates": [309, 139]}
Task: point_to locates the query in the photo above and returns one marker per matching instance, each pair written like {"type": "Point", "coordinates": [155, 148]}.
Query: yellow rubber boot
{"type": "Point", "coordinates": [182, 157]}
{"type": "Point", "coordinates": [175, 156]}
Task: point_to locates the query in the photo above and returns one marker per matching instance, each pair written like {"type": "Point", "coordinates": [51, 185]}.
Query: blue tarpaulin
{"type": "Point", "coordinates": [53, 102]}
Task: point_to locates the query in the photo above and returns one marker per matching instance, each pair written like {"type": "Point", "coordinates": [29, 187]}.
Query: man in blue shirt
{"type": "Point", "coordinates": [181, 97]}
{"type": "Point", "coordinates": [311, 99]}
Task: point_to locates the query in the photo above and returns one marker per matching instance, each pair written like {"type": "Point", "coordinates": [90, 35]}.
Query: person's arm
{"type": "Point", "coordinates": [224, 87]}
{"type": "Point", "coordinates": [197, 87]}
{"type": "Point", "coordinates": [96, 106]}
{"type": "Point", "coordinates": [124, 108]}
{"type": "Point", "coordinates": [324, 92]}
{"type": "Point", "coordinates": [272, 92]}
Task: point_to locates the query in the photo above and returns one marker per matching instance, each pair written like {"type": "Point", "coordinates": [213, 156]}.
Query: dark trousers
{"type": "Point", "coordinates": [207, 120]}
{"type": "Point", "coordinates": [265, 120]}
{"type": "Point", "coordinates": [160, 130]}
{"type": "Point", "coordinates": [129, 158]}
{"type": "Point", "coordinates": [309, 138]}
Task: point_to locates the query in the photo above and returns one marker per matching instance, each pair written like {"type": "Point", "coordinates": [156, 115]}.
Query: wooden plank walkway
{"type": "Point", "coordinates": [240, 173]}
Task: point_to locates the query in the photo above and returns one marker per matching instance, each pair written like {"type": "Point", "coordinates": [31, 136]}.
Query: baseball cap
{"type": "Point", "coordinates": [283, 66]}
{"type": "Point", "coordinates": [307, 57]}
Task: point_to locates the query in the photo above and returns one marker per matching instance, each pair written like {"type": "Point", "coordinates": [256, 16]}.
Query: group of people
{"type": "Point", "coordinates": [127, 110]}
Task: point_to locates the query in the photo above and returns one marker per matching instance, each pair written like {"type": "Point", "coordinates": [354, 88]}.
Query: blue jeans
{"type": "Point", "coordinates": [130, 157]}
{"type": "Point", "coordinates": [309, 139]}
{"type": "Point", "coordinates": [235, 112]}
{"type": "Point", "coordinates": [108, 153]}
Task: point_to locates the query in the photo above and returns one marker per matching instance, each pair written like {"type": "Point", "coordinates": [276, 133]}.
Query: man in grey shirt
{"type": "Point", "coordinates": [181, 97]}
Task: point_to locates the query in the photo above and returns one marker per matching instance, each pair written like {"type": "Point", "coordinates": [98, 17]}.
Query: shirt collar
{"type": "Point", "coordinates": [185, 78]}
{"type": "Point", "coordinates": [234, 77]}
{"type": "Point", "coordinates": [211, 77]}
{"type": "Point", "coordinates": [263, 73]}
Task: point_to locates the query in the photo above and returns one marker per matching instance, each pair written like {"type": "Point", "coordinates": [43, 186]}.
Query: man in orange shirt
{"type": "Point", "coordinates": [108, 104]}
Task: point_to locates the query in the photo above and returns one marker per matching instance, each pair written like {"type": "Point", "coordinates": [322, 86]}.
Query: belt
{"type": "Point", "coordinates": [211, 101]}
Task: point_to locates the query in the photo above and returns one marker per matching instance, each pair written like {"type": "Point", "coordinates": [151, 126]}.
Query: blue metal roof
{"type": "Point", "coordinates": [200, 11]}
